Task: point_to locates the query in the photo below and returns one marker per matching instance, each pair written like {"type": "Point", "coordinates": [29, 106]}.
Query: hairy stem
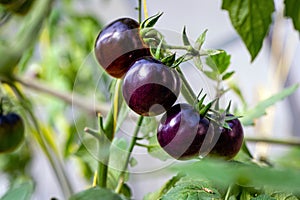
{"type": "Point", "coordinates": [186, 90]}
{"type": "Point", "coordinates": [107, 131]}
{"type": "Point", "coordinates": [131, 146]}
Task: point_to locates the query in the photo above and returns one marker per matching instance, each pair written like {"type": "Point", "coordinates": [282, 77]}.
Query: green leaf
{"type": "Point", "coordinates": [185, 39]}
{"type": "Point", "coordinates": [211, 74]}
{"type": "Point", "coordinates": [151, 21]}
{"type": "Point", "coordinates": [279, 195]}
{"type": "Point", "coordinates": [192, 190]}
{"type": "Point", "coordinates": [200, 40]}
{"type": "Point", "coordinates": [251, 19]}
{"type": "Point", "coordinates": [263, 197]}
{"type": "Point", "coordinates": [164, 189]}
{"type": "Point", "coordinates": [228, 173]}
{"type": "Point", "coordinates": [292, 10]}
{"type": "Point", "coordinates": [260, 109]}
{"type": "Point", "coordinates": [219, 62]}
{"type": "Point", "coordinates": [19, 192]}
{"type": "Point", "coordinates": [227, 75]}
{"type": "Point", "coordinates": [133, 162]}
{"type": "Point", "coordinates": [116, 163]}
{"type": "Point", "coordinates": [96, 193]}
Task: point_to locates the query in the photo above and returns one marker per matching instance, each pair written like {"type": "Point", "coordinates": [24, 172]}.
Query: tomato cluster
{"type": "Point", "coordinates": [151, 88]}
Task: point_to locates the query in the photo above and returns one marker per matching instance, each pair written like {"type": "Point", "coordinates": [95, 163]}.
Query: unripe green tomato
{"type": "Point", "coordinates": [11, 132]}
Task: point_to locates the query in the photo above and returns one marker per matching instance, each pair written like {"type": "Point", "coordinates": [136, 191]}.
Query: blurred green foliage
{"type": "Point", "coordinates": [62, 55]}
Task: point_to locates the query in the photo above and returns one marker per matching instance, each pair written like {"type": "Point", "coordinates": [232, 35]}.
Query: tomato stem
{"type": "Point", "coordinates": [140, 10]}
{"type": "Point", "coordinates": [186, 89]}
{"type": "Point", "coordinates": [130, 148]}
{"type": "Point", "coordinates": [102, 164]}
{"type": "Point", "coordinates": [107, 130]}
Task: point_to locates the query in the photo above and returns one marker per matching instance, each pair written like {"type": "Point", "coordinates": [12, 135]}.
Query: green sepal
{"type": "Point", "coordinates": [158, 50]}
{"type": "Point", "coordinates": [200, 40]}
{"type": "Point", "coordinates": [169, 60]}
{"type": "Point", "coordinates": [228, 107]}
{"type": "Point", "coordinates": [181, 59]}
{"type": "Point", "coordinates": [206, 108]}
{"type": "Point", "coordinates": [185, 39]}
{"type": "Point", "coordinates": [151, 21]}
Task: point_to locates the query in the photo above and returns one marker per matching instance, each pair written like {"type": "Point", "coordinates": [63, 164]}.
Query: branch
{"type": "Point", "coordinates": [288, 142]}
{"type": "Point", "coordinates": [70, 98]}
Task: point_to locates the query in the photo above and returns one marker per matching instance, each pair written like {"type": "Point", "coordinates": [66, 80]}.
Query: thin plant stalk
{"type": "Point", "coordinates": [130, 149]}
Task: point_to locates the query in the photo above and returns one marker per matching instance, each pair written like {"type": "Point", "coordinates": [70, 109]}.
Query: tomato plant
{"type": "Point", "coordinates": [106, 102]}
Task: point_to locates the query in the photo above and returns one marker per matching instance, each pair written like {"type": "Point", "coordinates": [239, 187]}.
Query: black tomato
{"type": "Point", "coordinates": [118, 45]}
{"type": "Point", "coordinates": [150, 87]}
{"type": "Point", "coordinates": [230, 140]}
{"type": "Point", "coordinates": [23, 8]}
{"type": "Point", "coordinates": [181, 131]}
{"type": "Point", "coordinates": [11, 132]}
{"type": "Point", "coordinates": [20, 7]}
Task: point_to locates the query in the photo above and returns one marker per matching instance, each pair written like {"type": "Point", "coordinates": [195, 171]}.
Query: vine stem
{"type": "Point", "coordinates": [70, 98]}
{"type": "Point", "coordinates": [130, 149]}
{"type": "Point", "coordinates": [140, 10]}
{"type": "Point", "coordinates": [288, 142]}
{"type": "Point", "coordinates": [107, 130]}
{"type": "Point", "coordinates": [186, 90]}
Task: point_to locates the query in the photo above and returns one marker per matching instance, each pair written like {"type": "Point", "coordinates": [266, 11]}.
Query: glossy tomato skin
{"type": "Point", "coordinates": [150, 87]}
{"type": "Point", "coordinates": [20, 7]}
{"type": "Point", "coordinates": [118, 45]}
{"type": "Point", "coordinates": [230, 141]}
{"type": "Point", "coordinates": [11, 132]}
{"type": "Point", "coordinates": [181, 131]}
